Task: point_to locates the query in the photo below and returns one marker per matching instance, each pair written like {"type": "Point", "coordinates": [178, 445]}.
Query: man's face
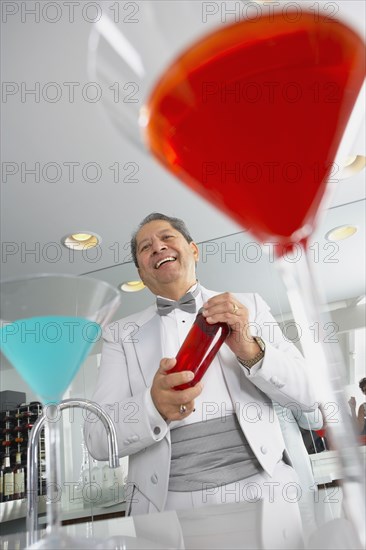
{"type": "Point", "coordinates": [166, 261]}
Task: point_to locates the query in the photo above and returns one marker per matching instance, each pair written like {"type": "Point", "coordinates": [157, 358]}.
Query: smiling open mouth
{"type": "Point", "coordinates": [164, 261]}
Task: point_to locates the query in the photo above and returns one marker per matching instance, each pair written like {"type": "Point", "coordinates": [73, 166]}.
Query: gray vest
{"type": "Point", "coordinates": [210, 454]}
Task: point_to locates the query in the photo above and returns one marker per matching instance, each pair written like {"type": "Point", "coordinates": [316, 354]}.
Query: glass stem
{"type": "Point", "coordinates": [327, 370]}
{"type": "Point", "coordinates": [54, 491]}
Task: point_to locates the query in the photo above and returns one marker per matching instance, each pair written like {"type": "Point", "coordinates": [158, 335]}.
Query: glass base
{"type": "Point", "coordinates": [60, 541]}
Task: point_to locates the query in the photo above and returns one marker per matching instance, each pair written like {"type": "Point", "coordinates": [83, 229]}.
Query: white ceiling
{"type": "Point", "coordinates": [36, 215]}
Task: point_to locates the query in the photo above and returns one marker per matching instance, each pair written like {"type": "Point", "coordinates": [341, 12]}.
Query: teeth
{"type": "Point", "coordinates": [169, 259]}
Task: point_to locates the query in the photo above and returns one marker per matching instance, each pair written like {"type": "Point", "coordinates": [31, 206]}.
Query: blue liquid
{"type": "Point", "coordinates": [48, 351]}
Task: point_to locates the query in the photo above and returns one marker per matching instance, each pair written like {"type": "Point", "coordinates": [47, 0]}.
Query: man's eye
{"type": "Point", "coordinates": [145, 247]}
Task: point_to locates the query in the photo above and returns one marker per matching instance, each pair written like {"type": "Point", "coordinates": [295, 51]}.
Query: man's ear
{"type": "Point", "coordinates": [195, 251]}
{"type": "Point", "coordinates": [139, 272]}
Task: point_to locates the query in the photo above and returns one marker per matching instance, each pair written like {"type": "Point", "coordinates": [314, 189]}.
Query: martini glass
{"type": "Point", "coordinates": [251, 115]}
{"type": "Point", "coordinates": [49, 323]}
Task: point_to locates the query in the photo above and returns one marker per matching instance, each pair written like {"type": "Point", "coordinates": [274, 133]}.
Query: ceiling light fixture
{"type": "Point", "coordinates": [352, 166]}
{"type": "Point", "coordinates": [81, 237]}
{"type": "Point", "coordinates": [341, 232]}
{"type": "Point", "coordinates": [81, 240]}
{"type": "Point", "coordinates": [132, 286]}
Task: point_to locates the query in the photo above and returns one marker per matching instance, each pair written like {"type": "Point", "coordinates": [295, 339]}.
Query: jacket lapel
{"type": "Point", "coordinates": [144, 350]}
{"type": "Point", "coordinates": [148, 347]}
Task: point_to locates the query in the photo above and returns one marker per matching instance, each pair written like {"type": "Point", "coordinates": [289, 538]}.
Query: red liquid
{"type": "Point", "coordinates": [251, 118]}
{"type": "Point", "coordinates": [199, 349]}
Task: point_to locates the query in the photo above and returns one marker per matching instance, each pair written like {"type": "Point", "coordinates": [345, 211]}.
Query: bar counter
{"type": "Point", "coordinates": [246, 525]}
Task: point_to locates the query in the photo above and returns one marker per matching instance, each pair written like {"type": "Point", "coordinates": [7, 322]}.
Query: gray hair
{"type": "Point", "coordinates": [177, 223]}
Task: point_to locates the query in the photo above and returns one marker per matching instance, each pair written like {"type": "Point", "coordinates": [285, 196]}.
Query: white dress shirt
{"type": "Point", "coordinates": [214, 401]}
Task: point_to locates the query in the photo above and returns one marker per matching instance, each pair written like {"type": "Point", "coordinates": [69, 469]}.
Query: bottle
{"type": "Point", "coordinates": [8, 441]}
{"type": "Point", "coordinates": [8, 427]}
{"type": "Point", "coordinates": [19, 477]}
{"type": "Point", "coordinates": [199, 348]}
{"type": "Point", "coordinates": [8, 480]}
{"type": "Point", "coordinates": [8, 416]}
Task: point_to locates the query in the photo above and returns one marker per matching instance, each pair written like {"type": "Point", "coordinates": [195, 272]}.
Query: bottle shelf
{"type": "Point", "coordinates": [15, 427]}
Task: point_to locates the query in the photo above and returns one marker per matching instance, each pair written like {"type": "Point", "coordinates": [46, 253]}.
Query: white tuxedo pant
{"type": "Point", "coordinates": [276, 524]}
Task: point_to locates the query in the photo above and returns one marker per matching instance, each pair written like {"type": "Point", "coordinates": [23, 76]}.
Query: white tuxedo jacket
{"type": "Point", "coordinates": [130, 358]}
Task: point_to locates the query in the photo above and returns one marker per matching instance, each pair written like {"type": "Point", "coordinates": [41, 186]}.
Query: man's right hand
{"type": "Point", "coordinates": [167, 400]}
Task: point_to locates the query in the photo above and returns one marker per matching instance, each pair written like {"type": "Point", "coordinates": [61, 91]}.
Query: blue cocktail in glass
{"type": "Point", "coordinates": [49, 323]}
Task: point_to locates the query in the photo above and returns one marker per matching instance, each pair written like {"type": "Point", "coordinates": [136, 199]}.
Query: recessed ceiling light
{"type": "Point", "coordinates": [81, 240]}
{"type": "Point", "coordinates": [132, 286]}
{"type": "Point", "coordinates": [340, 233]}
{"type": "Point", "coordinates": [352, 166]}
{"type": "Point", "coordinates": [81, 237]}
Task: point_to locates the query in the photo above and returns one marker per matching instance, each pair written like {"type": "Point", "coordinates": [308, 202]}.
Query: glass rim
{"type": "Point", "coordinates": [60, 276]}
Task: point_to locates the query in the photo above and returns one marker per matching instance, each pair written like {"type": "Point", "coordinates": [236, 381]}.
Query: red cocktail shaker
{"type": "Point", "coordinates": [199, 348]}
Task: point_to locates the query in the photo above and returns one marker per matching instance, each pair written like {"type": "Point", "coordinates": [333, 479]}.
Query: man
{"type": "Point", "coordinates": [359, 418]}
{"type": "Point", "coordinates": [218, 441]}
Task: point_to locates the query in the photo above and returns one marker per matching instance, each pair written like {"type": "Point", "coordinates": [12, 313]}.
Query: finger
{"type": "Point", "coordinates": [169, 381]}
{"type": "Point", "coordinates": [180, 412]}
{"type": "Point", "coordinates": [166, 364]}
{"type": "Point", "coordinates": [224, 309]}
{"type": "Point", "coordinates": [237, 319]}
{"type": "Point", "coordinates": [187, 395]}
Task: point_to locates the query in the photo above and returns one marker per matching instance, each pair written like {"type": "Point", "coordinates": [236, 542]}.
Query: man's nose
{"type": "Point", "coordinates": [158, 245]}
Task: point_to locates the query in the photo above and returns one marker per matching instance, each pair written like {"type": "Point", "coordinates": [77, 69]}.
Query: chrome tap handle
{"type": "Point", "coordinates": [32, 457]}
{"type": "Point", "coordinates": [32, 479]}
{"type": "Point", "coordinates": [106, 421]}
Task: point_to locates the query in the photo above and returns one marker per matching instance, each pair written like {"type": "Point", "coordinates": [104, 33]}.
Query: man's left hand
{"type": "Point", "coordinates": [225, 308]}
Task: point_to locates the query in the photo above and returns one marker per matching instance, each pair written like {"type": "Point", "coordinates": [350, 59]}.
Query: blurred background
{"type": "Point", "coordinates": [68, 169]}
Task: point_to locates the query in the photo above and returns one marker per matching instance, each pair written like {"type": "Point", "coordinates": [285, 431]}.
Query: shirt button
{"type": "Point", "coordinates": [134, 438]}
{"type": "Point", "coordinates": [157, 430]}
{"type": "Point", "coordinates": [264, 449]}
{"type": "Point", "coordinates": [154, 479]}
{"type": "Point", "coordinates": [126, 442]}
